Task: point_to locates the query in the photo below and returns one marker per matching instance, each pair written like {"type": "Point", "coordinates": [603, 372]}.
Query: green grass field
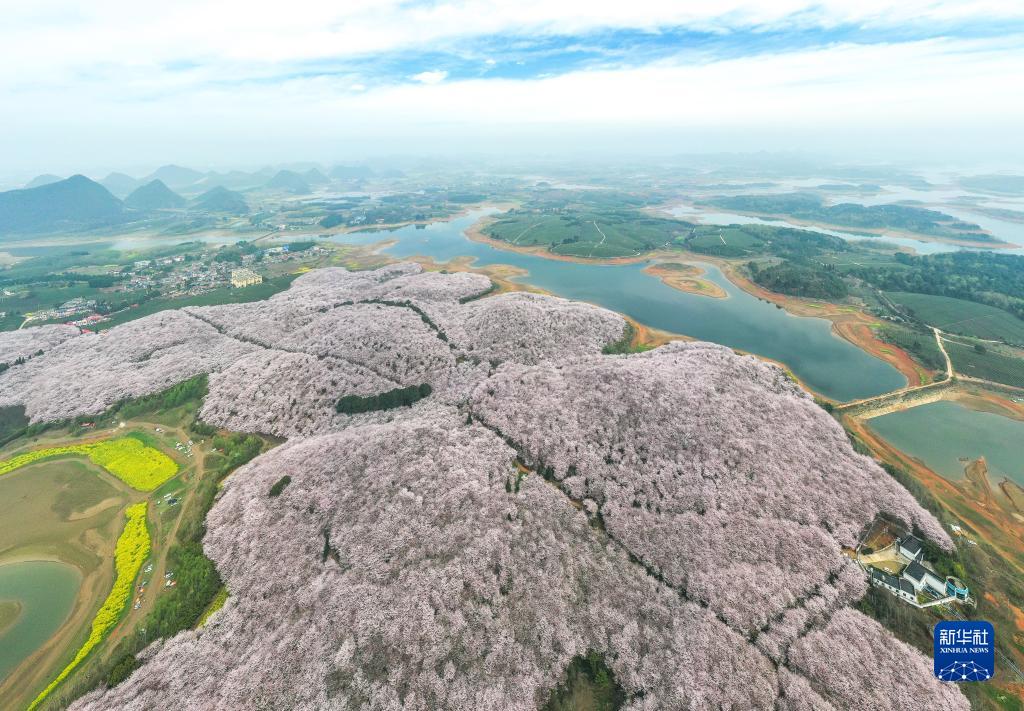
{"type": "Point", "coordinates": [966, 318]}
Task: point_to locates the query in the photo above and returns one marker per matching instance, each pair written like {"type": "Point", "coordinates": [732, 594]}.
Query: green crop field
{"type": "Point", "coordinates": [724, 239]}
{"type": "Point", "coordinates": [865, 255]}
{"type": "Point", "coordinates": [989, 365]}
{"type": "Point", "coordinates": [585, 233]}
{"type": "Point", "coordinates": [966, 318]}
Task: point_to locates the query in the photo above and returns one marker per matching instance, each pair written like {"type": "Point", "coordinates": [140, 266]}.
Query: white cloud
{"type": "Point", "coordinates": [119, 79]}
{"type": "Point", "coordinates": [435, 77]}
{"type": "Point", "coordinates": [226, 33]}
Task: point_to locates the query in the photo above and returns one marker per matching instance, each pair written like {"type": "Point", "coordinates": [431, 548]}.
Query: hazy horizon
{"type": "Point", "coordinates": [113, 87]}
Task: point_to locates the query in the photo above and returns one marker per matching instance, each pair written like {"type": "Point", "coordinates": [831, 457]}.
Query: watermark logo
{"type": "Point", "coordinates": [965, 650]}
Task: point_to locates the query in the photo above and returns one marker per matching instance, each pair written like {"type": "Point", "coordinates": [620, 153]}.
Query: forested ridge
{"type": "Point", "coordinates": [985, 277]}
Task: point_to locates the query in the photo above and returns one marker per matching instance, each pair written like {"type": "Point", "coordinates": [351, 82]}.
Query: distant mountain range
{"type": "Point", "coordinates": [73, 204]}
{"type": "Point", "coordinates": [120, 184]}
{"type": "Point", "coordinates": [186, 180]}
{"type": "Point", "coordinates": [49, 203]}
{"type": "Point", "coordinates": [233, 180]}
{"type": "Point", "coordinates": [221, 199]}
{"type": "Point", "coordinates": [290, 181]}
{"type": "Point", "coordinates": [314, 176]}
{"type": "Point", "coordinates": [41, 180]}
{"type": "Point", "coordinates": [174, 176]}
{"type": "Point", "coordinates": [154, 195]}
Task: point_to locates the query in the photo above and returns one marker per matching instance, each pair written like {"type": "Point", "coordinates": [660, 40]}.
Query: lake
{"type": "Point", "coordinates": [939, 433]}
{"type": "Point", "coordinates": [45, 592]}
{"type": "Point", "coordinates": [825, 362]}
{"type": "Point", "coordinates": [691, 214]}
{"type": "Point", "coordinates": [944, 200]}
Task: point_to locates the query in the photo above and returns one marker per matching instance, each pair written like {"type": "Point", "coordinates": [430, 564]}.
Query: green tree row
{"type": "Point", "coordinates": [399, 397]}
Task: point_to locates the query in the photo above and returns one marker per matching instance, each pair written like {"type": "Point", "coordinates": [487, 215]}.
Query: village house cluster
{"type": "Point", "coordinates": [69, 308]}
{"type": "Point", "coordinates": [172, 277]}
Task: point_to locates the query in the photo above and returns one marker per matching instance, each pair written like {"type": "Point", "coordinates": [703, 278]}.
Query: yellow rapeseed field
{"type": "Point", "coordinates": [136, 464]}
{"type": "Point", "coordinates": [131, 551]}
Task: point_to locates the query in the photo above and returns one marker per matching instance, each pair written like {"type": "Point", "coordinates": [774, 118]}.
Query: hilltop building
{"type": "Point", "coordinates": [924, 580]}
{"type": "Point", "coordinates": [915, 581]}
{"type": "Point", "coordinates": [241, 278]}
{"type": "Point", "coordinates": [897, 586]}
{"type": "Point", "coordinates": [910, 547]}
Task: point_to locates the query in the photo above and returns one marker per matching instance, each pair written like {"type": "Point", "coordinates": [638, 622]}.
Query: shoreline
{"type": "Point", "coordinates": [14, 611]}
{"type": "Point", "coordinates": [90, 554]}
{"type": "Point", "coordinates": [475, 233]}
{"type": "Point", "coordinates": [503, 276]}
{"type": "Point", "coordinates": [392, 226]}
{"type": "Point", "coordinates": [35, 670]}
{"type": "Point", "coordinates": [994, 525]}
{"type": "Point", "coordinates": [867, 232]}
{"type": "Point", "coordinates": [848, 322]}
{"type": "Point", "coordinates": [685, 277]}
{"type": "Point", "coordinates": [644, 335]}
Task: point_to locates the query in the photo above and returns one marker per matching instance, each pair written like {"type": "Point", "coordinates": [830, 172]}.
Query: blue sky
{"type": "Point", "coordinates": [525, 57]}
{"type": "Point", "coordinates": [120, 84]}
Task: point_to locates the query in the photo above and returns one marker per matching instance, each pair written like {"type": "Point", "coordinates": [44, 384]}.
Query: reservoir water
{"type": "Point", "coordinates": [941, 433]}
{"type": "Point", "coordinates": [825, 362]}
{"type": "Point", "coordinates": [691, 214]}
{"type": "Point", "coordinates": [43, 593]}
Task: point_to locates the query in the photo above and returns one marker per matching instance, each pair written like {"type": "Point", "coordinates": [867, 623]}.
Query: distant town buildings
{"type": "Point", "coordinates": [65, 310]}
{"type": "Point", "coordinates": [241, 278]}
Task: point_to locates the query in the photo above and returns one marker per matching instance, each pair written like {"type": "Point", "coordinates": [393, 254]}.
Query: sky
{"type": "Point", "coordinates": [129, 85]}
